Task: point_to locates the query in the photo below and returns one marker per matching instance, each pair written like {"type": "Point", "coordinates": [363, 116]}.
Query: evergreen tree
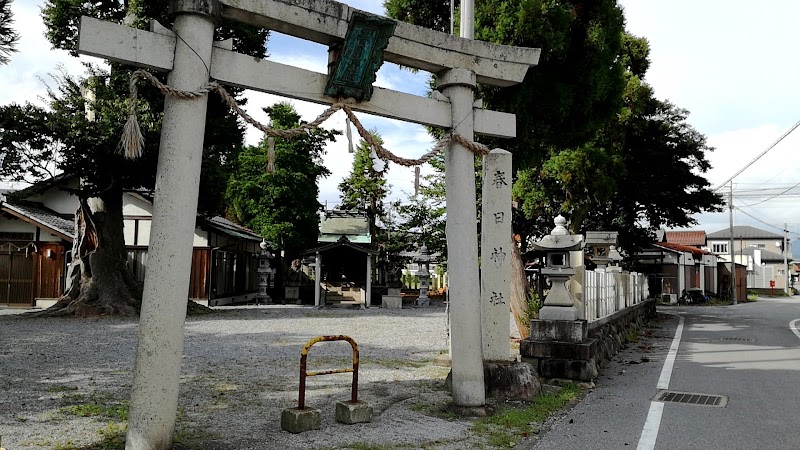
{"type": "Point", "coordinates": [281, 206]}
{"type": "Point", "coordinates": [8, 37]}
{"type": "Point", "coordinates": [364, 189]}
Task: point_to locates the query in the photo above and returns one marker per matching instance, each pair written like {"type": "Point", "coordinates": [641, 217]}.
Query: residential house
{"type": "Point", "coordinates": [673, 268]}
{"type": "Point", "coordinates": [762, 252]}
{"type": "Point", "coordinates": [36, 234]}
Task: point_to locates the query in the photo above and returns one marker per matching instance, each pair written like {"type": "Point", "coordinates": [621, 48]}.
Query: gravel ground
{"type": "Point", "coordinates": [240, 370]}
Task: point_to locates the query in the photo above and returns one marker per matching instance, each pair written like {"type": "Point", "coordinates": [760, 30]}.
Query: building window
{"type": "Point", "coordinates": [780, 272]}
{"type": "Point", "coordinates": [758, 245]}
{"type": "Point", "coordinates": [720, 248]}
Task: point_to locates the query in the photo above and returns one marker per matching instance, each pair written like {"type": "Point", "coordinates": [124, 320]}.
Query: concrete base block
{"type": "Point", "coordinates": [558, 330]}
{"type": "Point", "coordinates": [350, 413]}
{"type": "Point", "coordinates": [559, 350]}
{"type": "Point", "coordinates": [296, 420]}
{"type": "Point", "coordinates": [511, 380]}
{"type": "Point", "coordinates": [549, 312]}
{"type": "Point", "coordinates": [568, 369]}
{"type": "Point", "coordinates": [391, 302]}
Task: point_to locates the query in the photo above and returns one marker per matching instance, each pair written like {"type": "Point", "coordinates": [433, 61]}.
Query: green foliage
{"type": "Point", "coordinates": [364, 189]}
{"type": "Point", "coordinates": [282, 207]}
{"type": "Point", "coordinates": [592, 140]}
{"type": "Point", "coordinates": [8, 37]}
{"type": "Point", "coordinates": [508, 426]}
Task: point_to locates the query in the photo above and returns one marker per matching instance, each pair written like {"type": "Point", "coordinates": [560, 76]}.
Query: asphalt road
{"type": "Point", "coordinates": [748, 353]}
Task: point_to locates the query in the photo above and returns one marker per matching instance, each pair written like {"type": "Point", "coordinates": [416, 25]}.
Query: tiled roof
{"type": "Point", "coordinates": [41, 215]}
{"type": "Point", "coordinates": [225, 226]}
{"type": "Point", "coordinates": [744, 232]}
{"type": "Point", "coordinates": [683, 248]}
{"type": "Point", "coordinates": [766, 255]}
{"type": "Point", "coordinates": [693, 238]}
{"type": "Point", "coordinates": [336, 223]}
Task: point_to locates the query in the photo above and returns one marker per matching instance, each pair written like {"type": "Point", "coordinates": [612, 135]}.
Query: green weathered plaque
{"type": "Point", "coordinates": [362, 55]}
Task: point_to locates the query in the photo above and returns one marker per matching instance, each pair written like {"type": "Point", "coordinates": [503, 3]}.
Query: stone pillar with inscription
{"type": "Point", "coordinates": [496, 252]}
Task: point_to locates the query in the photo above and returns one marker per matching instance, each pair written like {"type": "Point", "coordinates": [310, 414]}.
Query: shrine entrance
{"type": "Point", "coordinates": [358, 43]}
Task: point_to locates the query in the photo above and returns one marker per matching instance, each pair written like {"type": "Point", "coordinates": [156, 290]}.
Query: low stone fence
{"type": "Point", "coordinates": [591, 344]}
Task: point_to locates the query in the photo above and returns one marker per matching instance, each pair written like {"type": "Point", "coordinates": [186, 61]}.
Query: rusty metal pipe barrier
{"type": "Point", "coordinates": [304, 373]}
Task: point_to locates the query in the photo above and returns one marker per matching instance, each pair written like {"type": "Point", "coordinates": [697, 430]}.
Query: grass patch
{"type": "Point", "coordinates": [97, 405]}
{"type": "Point", "coordinates": [508, 426]}
{"type": "Point", "coordinates": [632, 335]}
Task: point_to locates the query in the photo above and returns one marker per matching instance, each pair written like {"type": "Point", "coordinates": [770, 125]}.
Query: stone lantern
{"type": "Point", "coordinates": [264, 273]}
{"type": "Point", "coordinates": [616, 258]}
{"type": "Point", "coordinates": [424, 274]}
{"type": "Point", "coordinates": [559, 304]}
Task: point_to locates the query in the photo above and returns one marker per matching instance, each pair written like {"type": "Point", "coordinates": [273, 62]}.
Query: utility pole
{"type": "Point", "coordinates": [785, 259]}
{"type": "Point", "coordinates": [733, 263]}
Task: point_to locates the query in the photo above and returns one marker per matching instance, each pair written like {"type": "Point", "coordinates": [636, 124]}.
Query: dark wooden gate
{"type": "Point", "coordinates": [16, 278]}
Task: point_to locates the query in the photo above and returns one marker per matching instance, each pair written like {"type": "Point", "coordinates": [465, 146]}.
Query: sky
{"type": "Point", "coordinates": [731, 63]}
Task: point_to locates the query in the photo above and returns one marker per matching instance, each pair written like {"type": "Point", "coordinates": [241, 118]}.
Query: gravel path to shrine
{"type": "Point", "coordinates": [64, 383]}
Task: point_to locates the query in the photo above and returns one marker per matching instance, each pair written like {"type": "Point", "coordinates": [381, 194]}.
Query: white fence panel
{"type": "Point", "coordinates": [606, 293]}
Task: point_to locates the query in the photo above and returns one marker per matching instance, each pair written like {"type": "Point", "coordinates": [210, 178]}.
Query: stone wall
{"type": "Point", "coordinates": [611, 331]}
{"type": "Point", "coordinates": [580, 361]}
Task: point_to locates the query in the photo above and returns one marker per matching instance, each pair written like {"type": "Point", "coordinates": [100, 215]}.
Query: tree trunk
{"type": "Point", "coordinates": [519, 294]}
{"type": "Point", "coordinates": [101, 281]}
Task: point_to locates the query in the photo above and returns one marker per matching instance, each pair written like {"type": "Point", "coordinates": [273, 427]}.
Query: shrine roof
{"type": "Point", "coordinates": [337, 223]}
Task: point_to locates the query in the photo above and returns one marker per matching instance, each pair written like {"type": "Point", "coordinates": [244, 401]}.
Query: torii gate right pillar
{"type": "Point", "coordinates": [462, 246]}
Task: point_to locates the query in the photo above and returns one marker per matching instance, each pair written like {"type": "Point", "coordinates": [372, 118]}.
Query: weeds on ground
{"type": "Point", "coordinates": [508, 426]}
{"type": "Point", "coordinates": [632, 335]}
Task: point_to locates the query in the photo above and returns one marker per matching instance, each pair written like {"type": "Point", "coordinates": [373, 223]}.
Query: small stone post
{"type": "Point", "coordinates": [156, 374]}
{"type": "Point", "coordinates": [496, 255]}
{"type": "Point", "coordinates": [317, 279]}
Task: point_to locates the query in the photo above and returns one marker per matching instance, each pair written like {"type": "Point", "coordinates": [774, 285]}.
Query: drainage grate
{"type": "Point", "coordinates": [737, 339]}
{"type": "Point", "coordinates": [692, 398]}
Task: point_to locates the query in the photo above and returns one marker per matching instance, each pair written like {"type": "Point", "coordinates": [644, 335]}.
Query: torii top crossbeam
{"type": "Point", "coordinates": [326, 22]}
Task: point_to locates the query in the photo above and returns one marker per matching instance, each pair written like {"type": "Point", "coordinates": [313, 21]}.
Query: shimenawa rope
{"type": "Point", "coordinates": [132, 140]}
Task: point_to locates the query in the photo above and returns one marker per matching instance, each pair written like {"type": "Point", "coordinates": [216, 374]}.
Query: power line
{"type": "Point", "coordinates": [776, 195]}
{"type": "Point", "coordinates": [758, 157]}
{"type": "Point", "coordinates": [757, 219]}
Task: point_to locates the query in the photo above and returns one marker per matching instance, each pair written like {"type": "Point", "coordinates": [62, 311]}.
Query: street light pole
{"type": "Point", "coordinates": [733, 262]}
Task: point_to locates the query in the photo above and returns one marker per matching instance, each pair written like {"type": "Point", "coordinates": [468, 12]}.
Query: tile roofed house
{"type": "Point", "coordinates": [761, 251]}
{"type": "Point", "coordinates": [37, 229]}
{"type": "Point", "coordinates": [692, 237]}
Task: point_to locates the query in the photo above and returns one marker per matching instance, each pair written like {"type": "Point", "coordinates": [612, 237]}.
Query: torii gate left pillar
{"type": "Point", "coordinates": [154, 399]}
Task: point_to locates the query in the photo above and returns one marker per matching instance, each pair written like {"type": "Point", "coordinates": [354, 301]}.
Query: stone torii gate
{"type": "Point", "coordinates": [190, 55]}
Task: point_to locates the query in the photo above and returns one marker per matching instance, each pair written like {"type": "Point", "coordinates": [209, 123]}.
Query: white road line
{"type": "Point", "coordinates": [793, 327]}
{"type": "Point", "coordinates": [647, 440]}
{"type": "Point", "coordinates": [666, 371]}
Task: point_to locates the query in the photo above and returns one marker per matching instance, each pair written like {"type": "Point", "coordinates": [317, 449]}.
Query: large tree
{"type": "Point", "coordinates": [89, 150]}
{"type": "Point", "coordinates": [281, 206]}
{"type": "Point", "coordinates": [642, 170]}
{"type": "Point", "coordinates": [8, 37]}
